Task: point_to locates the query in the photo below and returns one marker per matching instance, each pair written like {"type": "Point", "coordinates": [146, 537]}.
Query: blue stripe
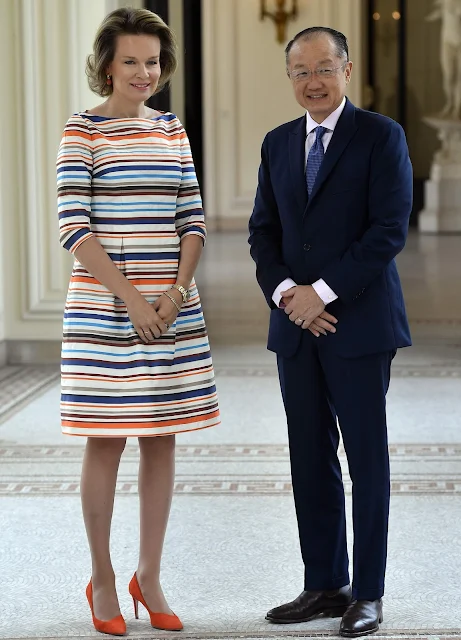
{"type": "Point", "coordinates": [138, 150]}
{"type": "Point", "coordinates": [167, 117]}
{"type": "Point", "coordinates": [119, 355]}
{"type": "Point", "coordinates": [137, 167]}
{"type": "Point", "coordinates": [199, 202]}
{"type": "Point", "coordinates": [126, 175]}
{"type": "Point", "coordinates": [114, 365]}
{"type": "Point", "coordinates": [180, 322]}
{"type": "Point", "coordinates": [189, 229]}
{"type": "Point", "coordinates": [193, 358]}
{"type": "Point", "coordinates": [104, 295]}
{"type": "Point", "coordinates": [187, 213]}
{"type": "Point", "coordinates": [72, 167]}
{"type": "Point", "coordinates": [122, 325]}
{"type": "Point", "coordinates": [135, 203]}
{"type": "Point", "coordinates": [60, 179]}
{"type": "Point", "coordinates": [184, 395]}
{"type": "Point", "coordinates": [78, 362]}
{"type": "Point", "coordinates": [74, 237]}
{"type": "Point", "coordinates": [192, 312]}
{"type": "Point", "coordinates": [96, 208]}
{"type": "Point", "coordinates": [70, 314]}
{"type": "Point", "coordinates": [149, 256]}
{"type": "Point", "coordinates": [74, 212]}
{"type": "Point", "coordinates": [112, 221]}
{"type": "Point", "coordinates": [197, 346]}
{"type": "Point", "coordinates": [106, 325]}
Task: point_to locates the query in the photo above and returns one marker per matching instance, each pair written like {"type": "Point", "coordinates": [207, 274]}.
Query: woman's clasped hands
{"type": "Point", "coordinates": [151, 320]}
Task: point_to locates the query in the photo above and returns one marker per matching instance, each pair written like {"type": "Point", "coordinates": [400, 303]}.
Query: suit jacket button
{"type": "Point", "coordinates": [307, 247]}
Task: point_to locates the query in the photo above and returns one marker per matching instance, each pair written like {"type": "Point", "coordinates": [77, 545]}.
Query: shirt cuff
{"type": "Point", "coordinates": [324, 292]}
{"type": "Point", "coordinates": [283, 286]}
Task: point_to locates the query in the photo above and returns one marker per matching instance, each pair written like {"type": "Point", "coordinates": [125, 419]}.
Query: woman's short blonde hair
{"type": "Point", "coordinates": [134, 22]}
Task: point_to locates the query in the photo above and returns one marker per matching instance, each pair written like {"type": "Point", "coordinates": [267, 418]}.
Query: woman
{"type": "Point", "coordinates": [135, 358]}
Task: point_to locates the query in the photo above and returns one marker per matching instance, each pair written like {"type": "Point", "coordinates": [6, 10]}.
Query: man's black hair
{"type": "Point", "coordinates": [340, 40]}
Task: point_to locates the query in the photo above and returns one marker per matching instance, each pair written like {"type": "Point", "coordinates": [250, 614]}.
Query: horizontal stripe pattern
{"type": "Point", "coordinates": [131, 184]}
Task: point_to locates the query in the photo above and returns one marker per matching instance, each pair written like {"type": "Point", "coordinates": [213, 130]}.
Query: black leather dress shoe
{"type": "Point", "coordinates": [361, 618]}
{"type": "Point", "coordinates": [310, 605]}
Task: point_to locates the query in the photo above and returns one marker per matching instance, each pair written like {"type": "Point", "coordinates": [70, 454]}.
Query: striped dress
{"type": "Point", "coordinates": [131, 183]}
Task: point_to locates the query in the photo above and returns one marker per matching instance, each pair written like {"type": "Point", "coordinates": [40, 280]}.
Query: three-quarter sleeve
{"type": "Point", "coordinates": [74, 170]}
{"type": "Point", "coordinates": [189, 212]}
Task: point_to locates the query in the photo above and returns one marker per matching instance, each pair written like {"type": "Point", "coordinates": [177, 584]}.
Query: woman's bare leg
{"type": "Point", "coordinates": [97, 488]}
{"type": "Point", "coordinates": [156, 482]}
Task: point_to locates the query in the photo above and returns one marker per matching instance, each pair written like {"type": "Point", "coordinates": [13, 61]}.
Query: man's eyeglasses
{"type": "Point", "coordinates": [303, 75]}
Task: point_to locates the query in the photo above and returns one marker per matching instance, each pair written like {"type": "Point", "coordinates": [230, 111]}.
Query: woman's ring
{"type": "Point", "coordinates": [167, 325]}
{"type": "Point", "coordinates": [299, 320]}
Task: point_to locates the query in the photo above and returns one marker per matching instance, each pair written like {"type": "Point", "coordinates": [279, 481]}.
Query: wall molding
{"type": "Point", "coordinates": [54, 35]}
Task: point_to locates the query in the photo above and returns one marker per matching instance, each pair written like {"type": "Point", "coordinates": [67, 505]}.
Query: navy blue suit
{"type": "Point", "coordinates": [348, 233]}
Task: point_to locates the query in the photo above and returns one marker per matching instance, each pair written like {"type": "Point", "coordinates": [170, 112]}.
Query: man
{"type": "Point", "coordinates": [330, 215]}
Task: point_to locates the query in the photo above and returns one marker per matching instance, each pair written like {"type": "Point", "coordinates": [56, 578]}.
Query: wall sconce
{"type": "Point", "coordinates": [280, 16]}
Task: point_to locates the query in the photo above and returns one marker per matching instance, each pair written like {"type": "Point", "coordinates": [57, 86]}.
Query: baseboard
{"type": "Point", "coordinates": [3, 353]}
{"type": "Point", "coordinates": [32, 351]}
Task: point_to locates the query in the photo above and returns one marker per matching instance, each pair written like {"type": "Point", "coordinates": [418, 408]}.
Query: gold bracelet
{"type": "Point", "coordinates": [165, 293]}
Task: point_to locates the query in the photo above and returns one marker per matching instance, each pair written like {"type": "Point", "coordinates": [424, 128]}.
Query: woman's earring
{"type": "Point", "coordinates": [109, 79]}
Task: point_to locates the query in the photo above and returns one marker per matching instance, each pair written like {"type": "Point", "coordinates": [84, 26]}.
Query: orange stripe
{"type": "Point", "coordinates": [137, 136]}
{"type": "Point", "coordinates": [136, 425]}
{"type": "Point", "coordinates": [152, 435]}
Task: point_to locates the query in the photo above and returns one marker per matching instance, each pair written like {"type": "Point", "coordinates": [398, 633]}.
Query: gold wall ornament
{"type": "Point", "coordinates": [280, 16]}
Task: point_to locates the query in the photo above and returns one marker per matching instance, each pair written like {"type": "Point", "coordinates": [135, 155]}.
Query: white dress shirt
{"type": "Point", "coordinates": [321, 288]}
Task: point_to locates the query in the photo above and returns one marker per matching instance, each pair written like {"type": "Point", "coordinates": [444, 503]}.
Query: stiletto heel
{"type": "Point", "coordinates": [114, 627]}
{"type": "Point", "coordinates": [164, 621]}
{"type": "Point", "coordinates": [135, 604]}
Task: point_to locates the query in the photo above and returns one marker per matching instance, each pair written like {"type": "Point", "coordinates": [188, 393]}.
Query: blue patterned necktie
{"type": "Point", "coordinates": [314, 159]}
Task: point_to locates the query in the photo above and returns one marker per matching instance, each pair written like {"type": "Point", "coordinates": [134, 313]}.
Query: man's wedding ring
{"type": "Point", "coordinates": [299, 321]}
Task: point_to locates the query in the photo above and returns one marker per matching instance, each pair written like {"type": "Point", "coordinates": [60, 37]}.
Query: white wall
{"type": "Point", "coordinates": [46, 43]}
{"type": "Point", "coordinates": [247, 93]}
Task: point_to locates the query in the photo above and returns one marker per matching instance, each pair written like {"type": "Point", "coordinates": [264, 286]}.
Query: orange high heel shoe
{"type": "Point", "coordinates": [114, 627]}
{"type": "Point", "coordinates": [164, 621]}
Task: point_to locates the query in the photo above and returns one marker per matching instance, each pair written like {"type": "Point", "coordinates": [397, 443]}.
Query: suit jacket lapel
{"type": "Point", "coordinates": [342, 135]}
{"type": "Point", "coordinates": [297, 153]}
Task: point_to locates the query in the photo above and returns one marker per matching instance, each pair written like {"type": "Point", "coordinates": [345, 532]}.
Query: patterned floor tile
{"type": "Point", "coordinates": [21, 384]}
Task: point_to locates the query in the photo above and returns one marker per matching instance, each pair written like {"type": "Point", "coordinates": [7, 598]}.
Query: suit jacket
{"type": "Point", "coordinates": [348, 232]}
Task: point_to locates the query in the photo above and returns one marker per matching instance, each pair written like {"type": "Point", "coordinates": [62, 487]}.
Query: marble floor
{"type": "Point", "coordinates": [231, 550]}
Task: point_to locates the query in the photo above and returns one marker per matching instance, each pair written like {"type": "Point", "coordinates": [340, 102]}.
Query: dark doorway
{"type": "Point", "coordinates": [387, 54]}
{"type": "Point", "coordinates": [192, 29]}
{"type": "Point", "coordinates": [160, 101]}
{"type": "Point", "coordinates": [388, 34]}
{"type": "Point", "coordinates": [193, 86]}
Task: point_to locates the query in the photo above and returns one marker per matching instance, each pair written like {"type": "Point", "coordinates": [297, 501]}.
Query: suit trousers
{"type": "Point", "coordinates": [320, 389]}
